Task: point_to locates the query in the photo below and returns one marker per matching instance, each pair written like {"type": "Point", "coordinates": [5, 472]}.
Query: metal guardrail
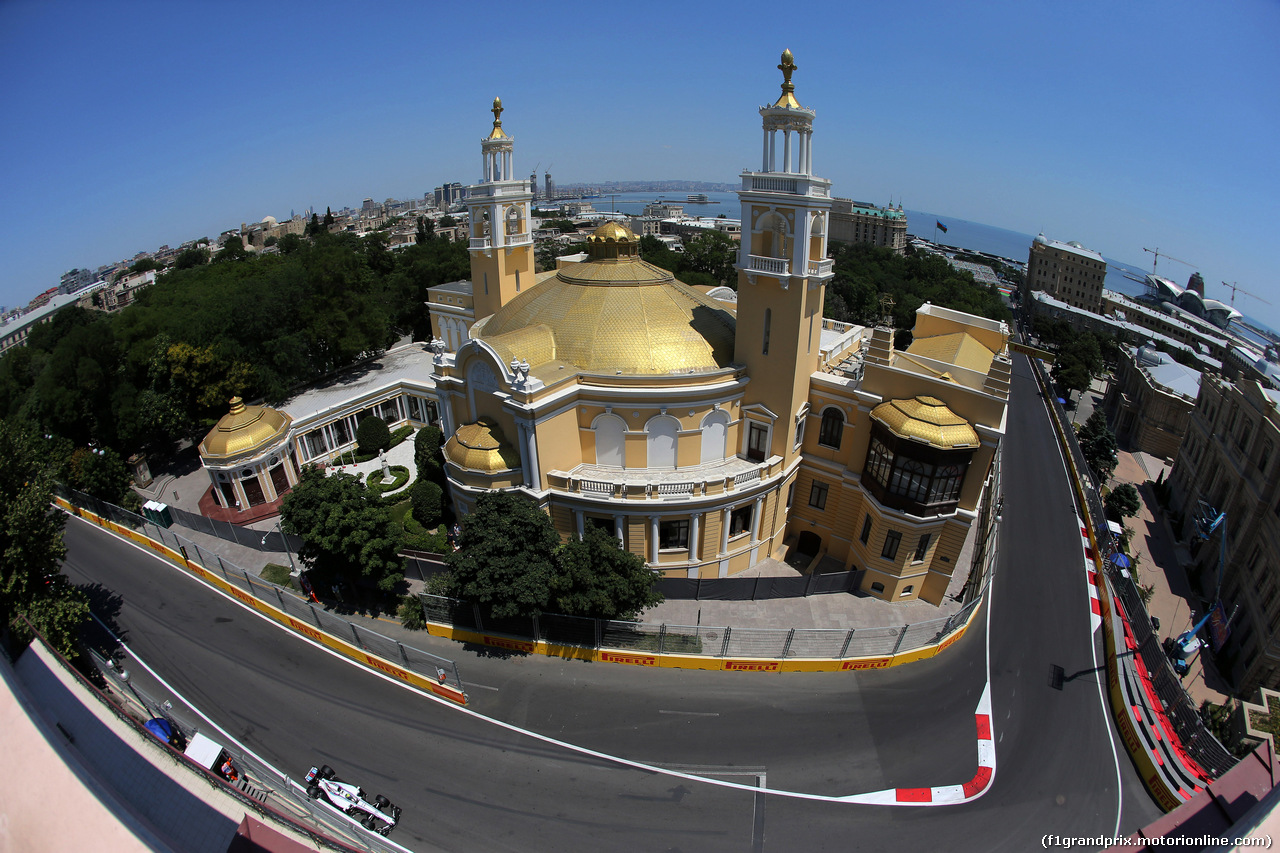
{"type": "Point", "coordinates": [708, 641]}
{"type": "Point", "coordinates": [1177, 705]}
{"type": "Point", "coordinates": [419, 661]}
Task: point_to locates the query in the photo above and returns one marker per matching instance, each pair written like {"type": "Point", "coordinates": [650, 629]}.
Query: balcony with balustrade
{"type": "Point", "coordinates": [787, 183]}
{"type": "Point", "coordinates": [718, 479]}
{"type": "Point", "coordinates": [769, 266]}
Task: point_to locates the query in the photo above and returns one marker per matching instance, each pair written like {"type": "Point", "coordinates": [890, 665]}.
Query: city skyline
{"type": "Point", "coordinates": [1146, 126]}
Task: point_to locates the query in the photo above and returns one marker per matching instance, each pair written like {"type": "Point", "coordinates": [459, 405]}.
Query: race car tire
{"type": "Point", "coordinates": [326, 772]}
{"type": "Point", "coordinates": [367, 823]}
{"type": "Point", "coordinates": [381, 802]}
{"type": "Point", "coordinates": [314, 792]}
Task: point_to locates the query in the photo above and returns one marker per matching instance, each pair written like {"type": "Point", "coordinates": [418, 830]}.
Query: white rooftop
{"type": "Point", "coordinates": [411, 362]}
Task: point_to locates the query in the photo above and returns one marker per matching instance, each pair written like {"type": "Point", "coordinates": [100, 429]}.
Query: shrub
{"type": "Point", "coordinates": [372, 435]}
{"type": "Point", "coordinates": [399, 476]}
{"type": "Point", "coordinates": [428, 502]}
{"type": "Point", "coordinates": [410, 613]}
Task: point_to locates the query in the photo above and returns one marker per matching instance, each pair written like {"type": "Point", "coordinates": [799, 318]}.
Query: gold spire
{"type": "Point", "coordinates": [497, 120]}
{"type": "Point", "coordinates": [788, 98]}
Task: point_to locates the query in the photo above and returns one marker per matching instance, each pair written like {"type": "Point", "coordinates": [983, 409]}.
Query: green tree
{"type": "Point", "coordinates": [447, 221]}
{"type": "Point", "coordinates": [712, 253]}
{"type": "Point", "coordinates": [31, 547]}
{"type": "Point", "coordinates": [428, 503]}
{"type": "Point", "coordinates": [192, 257]}
{"type": "Point", "coordinates": [328, 218]}
{"type": "Point", "coordinates": [426, 454]}
{"type": "Point", "coordinates": [1123, 501]}
{"type": "Point", "coordinates": [313, 227]}
{"type": "Point", "coordinates": [232, 250]}
{"type": "Point", "coordinates": [596, 578]}
{"type": "Point", "coordinates": [426, 229]}
{"type": "Point", "coordinates": [1098, 444]}
{"type": "Point", "coordinates": [345, 533]}
{"type": "Point", "coordinates": [505, 560]}
{"type": "Point", "coordinates": [658, 253]}
{"type": "Point", "coordinates": [372, 435]}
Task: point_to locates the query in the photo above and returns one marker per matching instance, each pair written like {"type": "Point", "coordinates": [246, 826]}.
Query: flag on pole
{"type": "Point", "coordinates": [941, 227]}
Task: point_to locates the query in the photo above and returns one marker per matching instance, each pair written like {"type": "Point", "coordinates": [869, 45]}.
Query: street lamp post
{"type": "Point", "coordinates": [293, 569]}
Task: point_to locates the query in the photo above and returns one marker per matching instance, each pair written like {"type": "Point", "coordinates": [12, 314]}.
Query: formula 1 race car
{"type": "Point", "coordinates": [377, 815]}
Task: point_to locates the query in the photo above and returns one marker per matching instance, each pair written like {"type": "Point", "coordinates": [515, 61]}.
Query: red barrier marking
{"type": "Point", "coordinates": [979, 781]}
{"type": "Point", "coordinates": [984, 727]}
{"type": "Point", "coordinates": [915, 795]}
{"type": "Point", "coordinates": [1095, 606]}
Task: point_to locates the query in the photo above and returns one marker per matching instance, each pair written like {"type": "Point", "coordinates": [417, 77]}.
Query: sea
{"type": "Point", "coordinates": [961, 233]}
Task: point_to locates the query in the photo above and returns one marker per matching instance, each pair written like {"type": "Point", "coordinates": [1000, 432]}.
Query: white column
{"type": "Point", "coordinates": [755, 520]}
{"type": "Point", "coordinates": [764, 159]}
{"type": "Point", "coordinates": [773, 146]}
{"type": "Point", "coordinates": [618, 530]}
{"type": "Point", "coordinates": [531, 456]}
{"type": "Point", "coordinates": [693, 537]}
{"type": "Point", "coordinates": [511, 165]}
{"type": "Point", "coordinates": [724, 532]}
{"type": "Point", "coordinates": [580, 522]}
{"type": "Point", "coordinates": [653, 539]}
{"type": "Point", "coordinates": [809, 152]}
{"type": "Point", "coordinates": [786, 151]}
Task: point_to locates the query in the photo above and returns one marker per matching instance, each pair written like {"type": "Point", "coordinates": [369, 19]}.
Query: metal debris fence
{"type": "Point", "coordinates": [1177, 705]}
{"type": "Point", "coordinates": [416, 660]}
{"type": "Point", "coordinates": [704, 640]}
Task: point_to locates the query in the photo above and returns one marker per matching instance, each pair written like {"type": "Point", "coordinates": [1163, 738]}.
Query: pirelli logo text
{"type": "Point", "coordinates": [304, 629]}
{"type": "Point", "coordinates": [514, 645]}
{"type": "Point", "coordinates": [635, 660]}
{"type": "Point", "coordinates": [752, 665]}
{"type": "Point", "coordinates": [387, 668]}
{"type": "Point", "coordinates": [881, 663]}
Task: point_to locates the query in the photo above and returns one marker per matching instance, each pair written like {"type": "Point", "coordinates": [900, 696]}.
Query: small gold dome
{"type": "Point", "coordinates": [927, 420]}
{"type": "Point", "coordinates": [788, 67]}
{"type": "Point", "coordinates": [613, 231]}
{"type": "Point", "coordinates": [480, 447]}
{"type": "Point", "coordinates": [244, 431]}
{"type": "Point", "coordinates": [498, 132]}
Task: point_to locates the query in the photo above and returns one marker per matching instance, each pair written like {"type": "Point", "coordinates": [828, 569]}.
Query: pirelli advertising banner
{"type": "Point", "coordinates": [329, 641]}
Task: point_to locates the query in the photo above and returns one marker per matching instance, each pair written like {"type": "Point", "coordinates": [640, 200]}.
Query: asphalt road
{"type": "Point", "coordinates": [467, 784]}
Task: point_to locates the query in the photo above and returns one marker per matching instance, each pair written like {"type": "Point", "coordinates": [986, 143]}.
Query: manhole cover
{"type": "Point", "coordinates": [711, 635]}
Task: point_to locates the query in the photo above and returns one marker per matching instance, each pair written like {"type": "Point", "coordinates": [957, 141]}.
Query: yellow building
{"type": "Point", "coordinates": [707, 437]}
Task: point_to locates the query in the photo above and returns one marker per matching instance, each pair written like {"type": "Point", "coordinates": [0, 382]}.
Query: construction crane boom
{"type": "Point", "coordinates": [1234, 287]}
{"type": "Point", "coordinates": [1156, 259]}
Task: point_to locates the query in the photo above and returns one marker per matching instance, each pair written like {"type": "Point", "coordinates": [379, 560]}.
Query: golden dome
{"type": "Point", "coordinates": [244, 431]}
{"type": "Point", "coordinates": [613, 231]}
{"type": "Point", "coordinates": [615, 315]}
{"type": "Point", "coordinates": [480, 447]}
{"type": "Point", "coordinates": [928, 420]}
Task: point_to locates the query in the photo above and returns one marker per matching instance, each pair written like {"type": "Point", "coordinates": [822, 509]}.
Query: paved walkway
{"type": "Point", "coordinates": [1159, 560]}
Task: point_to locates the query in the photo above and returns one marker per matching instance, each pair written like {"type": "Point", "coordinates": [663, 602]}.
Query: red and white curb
{"type": "Point", "coordinates": [947, 795]}
{"type": "Point", "coordinates": [1091, 572]}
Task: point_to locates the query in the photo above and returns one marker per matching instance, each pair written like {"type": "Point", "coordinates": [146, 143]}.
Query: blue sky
{"type": "Point", "coordinates": [130, 125]}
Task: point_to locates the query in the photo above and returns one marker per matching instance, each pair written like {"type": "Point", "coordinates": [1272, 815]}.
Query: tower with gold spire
{"type": "Point", "coordinates": [502, 258]}
{"type": "Point", "coordinates": [782, 274]}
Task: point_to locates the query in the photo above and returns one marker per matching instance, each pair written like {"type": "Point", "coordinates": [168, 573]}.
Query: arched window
{"type": "Point", "coordinates": [774, 242]}
{"type": "Point", "coordinates": [611, 441]}
{"type": "Point", "coordinates": [832, 428]}
{"type": "Point", "coordinates": [513, 221]}
{"type": "Point", "coordinates": [715, 430]}
{"type": "Point", "coordinates": [661, 442]}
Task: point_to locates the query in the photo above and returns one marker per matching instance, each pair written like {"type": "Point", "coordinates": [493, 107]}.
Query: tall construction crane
{"type": "Point", "coordinates": [1234, 288]}
{"type": "Point", "coordinates": [1156, 259]}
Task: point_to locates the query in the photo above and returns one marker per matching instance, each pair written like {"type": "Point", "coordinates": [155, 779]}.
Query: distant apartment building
{"type": "Point", "coordinates": [664, 210]}
{"type": "Point", "coordinates": [76, 279]}
{"type": "Point", "coordinates": [1066, 271]}
{"type": "Point", "coordinates": [687, 229]}
{"type": "Point", "coordinates": [1150, 402]}
{"type": "Point", "coordinates": [448, 195]}
{"type": "Point", "coordinates": [860, 222]}
{"type": "Point", "coordinates": [549, 186]}
{"type": "Point", "coordinates": [1228, 464]}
